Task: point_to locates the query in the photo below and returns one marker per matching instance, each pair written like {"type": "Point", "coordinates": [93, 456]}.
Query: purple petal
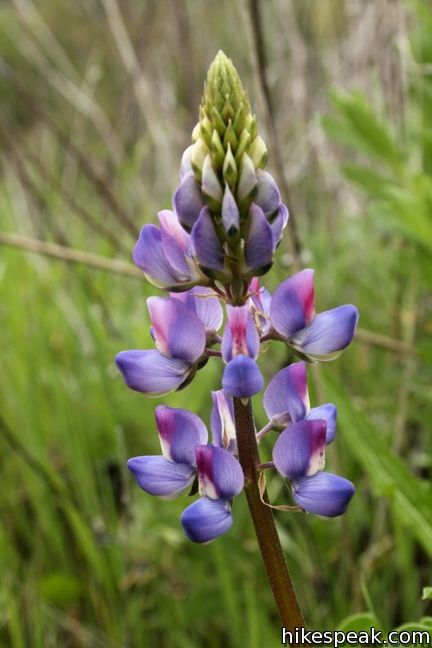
{"type": "Point", "coordinates": [219, 473]}
{"type": "Point", "coordinates": [206, 519]}
{"type": "Point", "coordinates": [151, 372]}
{"type": "Point", "coordinates": [240, 336]}
{"type": "Point", "coordinates": [278, 224]}
{"type": "Point", "coordinates": [268, 195]}
{"type": "Point", "coordinates": [287, 393]}
{"type": "Point", "coordinates": [242, 377]}
{"type": "Point", "coordinates": [149, 255]}
{"type": "Point", "coordinates": [259, 240]}
{"type": "Point", "coordinates": [175, 243]}
{"type": "Point", "coordinates": [328, 413]}
{"type": "Point", "coordinates": [293, 305]}
{"type": "Point", "coordinates": [180, 432]}
{"type": "Point", "coordinates": [328, 334]}
{"type": "Point", "coordinates": [159, 476]}
{"type": "Point", "coordinates": [208, 248]}
{"type": "Point", "coordinates": [323, 494]}
{"type": "Point", "coordinates": [188, 201]}
{"type": "Point", "coordinates": [205, 303]}
{"type": "Point", "coordinates": [230, 213]}
{"type": "Point", "coordinates": [177, 331]}
{"type": "Point", "coordinates": [299, 449]}
{"type": "Point", "coordinates": [222, 422]}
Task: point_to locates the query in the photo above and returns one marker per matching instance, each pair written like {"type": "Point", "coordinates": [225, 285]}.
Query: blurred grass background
{"type": "Point", "coordinates": [98, 99]}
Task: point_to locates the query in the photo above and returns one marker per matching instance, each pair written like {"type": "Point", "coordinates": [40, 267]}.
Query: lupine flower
{"type": "Point", "coordinates": [206, 519]}
{"type": "Point", "coordinates": [185, 457]}
{"type": "Point", "coordinates": [220, 478]}
{"type": "Point", "coordinates": [299, 449]}
{"type": "Point", "coordinates": [226, 223]}
{"type": "Point", "coordinates": [165, 254]}
{"type": "Point", "coordinates": [324, 494]}
{"type": "Point", "coordinates": [180, 432]}
{"type": "Point", "coordinates": [240, 348]}
{"type": "Point", "coordinates": [286, 400]}
{"type": "Point", "coordinates": [318, 337]}
{"type": "Point", "coordinates": [204, 303]}
{"type": "Point", "coordinates": [180, 338]}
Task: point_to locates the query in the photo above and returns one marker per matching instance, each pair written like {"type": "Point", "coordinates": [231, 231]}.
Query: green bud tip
{"type": "Point", "coordinates": [227, 135]}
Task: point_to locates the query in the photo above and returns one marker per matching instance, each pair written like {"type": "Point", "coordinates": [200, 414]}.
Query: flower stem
{"type": "Point", "coordinates": [262, 517]}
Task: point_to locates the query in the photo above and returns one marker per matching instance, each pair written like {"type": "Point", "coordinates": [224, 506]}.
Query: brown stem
{"type": "Point", "coordinates": [262, 517]}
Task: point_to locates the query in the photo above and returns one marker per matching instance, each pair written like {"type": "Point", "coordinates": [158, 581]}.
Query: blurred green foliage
{"type": "Point", "coordinates": [88, 560]}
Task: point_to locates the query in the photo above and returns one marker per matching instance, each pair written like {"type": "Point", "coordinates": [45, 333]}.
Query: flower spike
{"type": "Point", "coordinates": [226, 223]}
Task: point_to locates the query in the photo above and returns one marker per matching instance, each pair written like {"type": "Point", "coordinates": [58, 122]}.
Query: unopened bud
{"type": "Point", "coordinates": [211, 186]}
{"type": "Point", "coordinates": [258, 152]}
{"type": "Point", "coordinates": [218, 152]}
{"type": "Point", "coordinates": [186, 161]}
{"type": "Point", "coordinates": [196, 133]}
{"type": "Point", "coordinates": [230, 138]}
{"type": "Point", "coordinates": [198, 155]}
{"type": "Point", "coordinates": [230, 171]}
{"type": "Point", "coordinates": [239, 119]}
{"type": "Point", "coordinates": [247, 181]}
{"type": "Point", "coordinates": [230, 213]}
{"type": "Point", "coordinates": [242, 145]}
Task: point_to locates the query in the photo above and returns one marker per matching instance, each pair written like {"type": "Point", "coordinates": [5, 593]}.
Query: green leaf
{"type": "Point", "coordinates": [356, 125]}
{"type": "Point", "coordinates": [368, 179]}
{"type": "Point", "coordinates": [427, 594]}
{"type": "Point", "coordinates": [414, 626]}
{"type": "Point", "coordinates": [426, 621]}
{"type": "Point", "coordinates": [60, 588]}
{"type": "Point", "coordinates": [363, 621]}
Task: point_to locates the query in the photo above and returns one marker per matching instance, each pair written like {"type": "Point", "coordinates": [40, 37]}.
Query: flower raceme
{"type": "Point", "coordinates": [226, 223]}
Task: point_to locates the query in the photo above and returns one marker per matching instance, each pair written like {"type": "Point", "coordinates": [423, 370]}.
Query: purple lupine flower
{"type": "Point", "coordinates": [323, 494]}
{"type": "Point", "coordinates": [165, 254]}
{"type": "Point", "coordinates": [219, 473]}
{"type": "Point", "coordinates": [169, 474]}
{"type": "Point", "coordinates": [207, 246]}
{"type": "Point", "coordinates": [185, 456]}
{"type": "Point", "coordinates": [180, 339]}
{"type": "Point", "coordinates": [220, 478]}
{"type": "Point", "coordinates": [299, 449]}
{"type": "Point", "coordinates": [188, 201]}
{"type": "Point", "coordinates": [259, 243]}
{"type": "Point", "coordinates": [240, 347]}
{"type": "Point", "coordinates": [226, 224]}
{"type": "Point", "coordinates": [204, 303]}
{"type": "Point", "coordinates": [269, 199]}
{"type": "Point", "coordinates": [286, 400]}
{"type": "Point", "coordinates": [206, 519]}
{"type": "Point", "coordinates": [318, 337]}
{"type": "Point", "coordinates": [230, 213]}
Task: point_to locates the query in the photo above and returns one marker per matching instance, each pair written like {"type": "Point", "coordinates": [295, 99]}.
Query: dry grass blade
{"type": "Point", "coordinates": [70, 255]}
